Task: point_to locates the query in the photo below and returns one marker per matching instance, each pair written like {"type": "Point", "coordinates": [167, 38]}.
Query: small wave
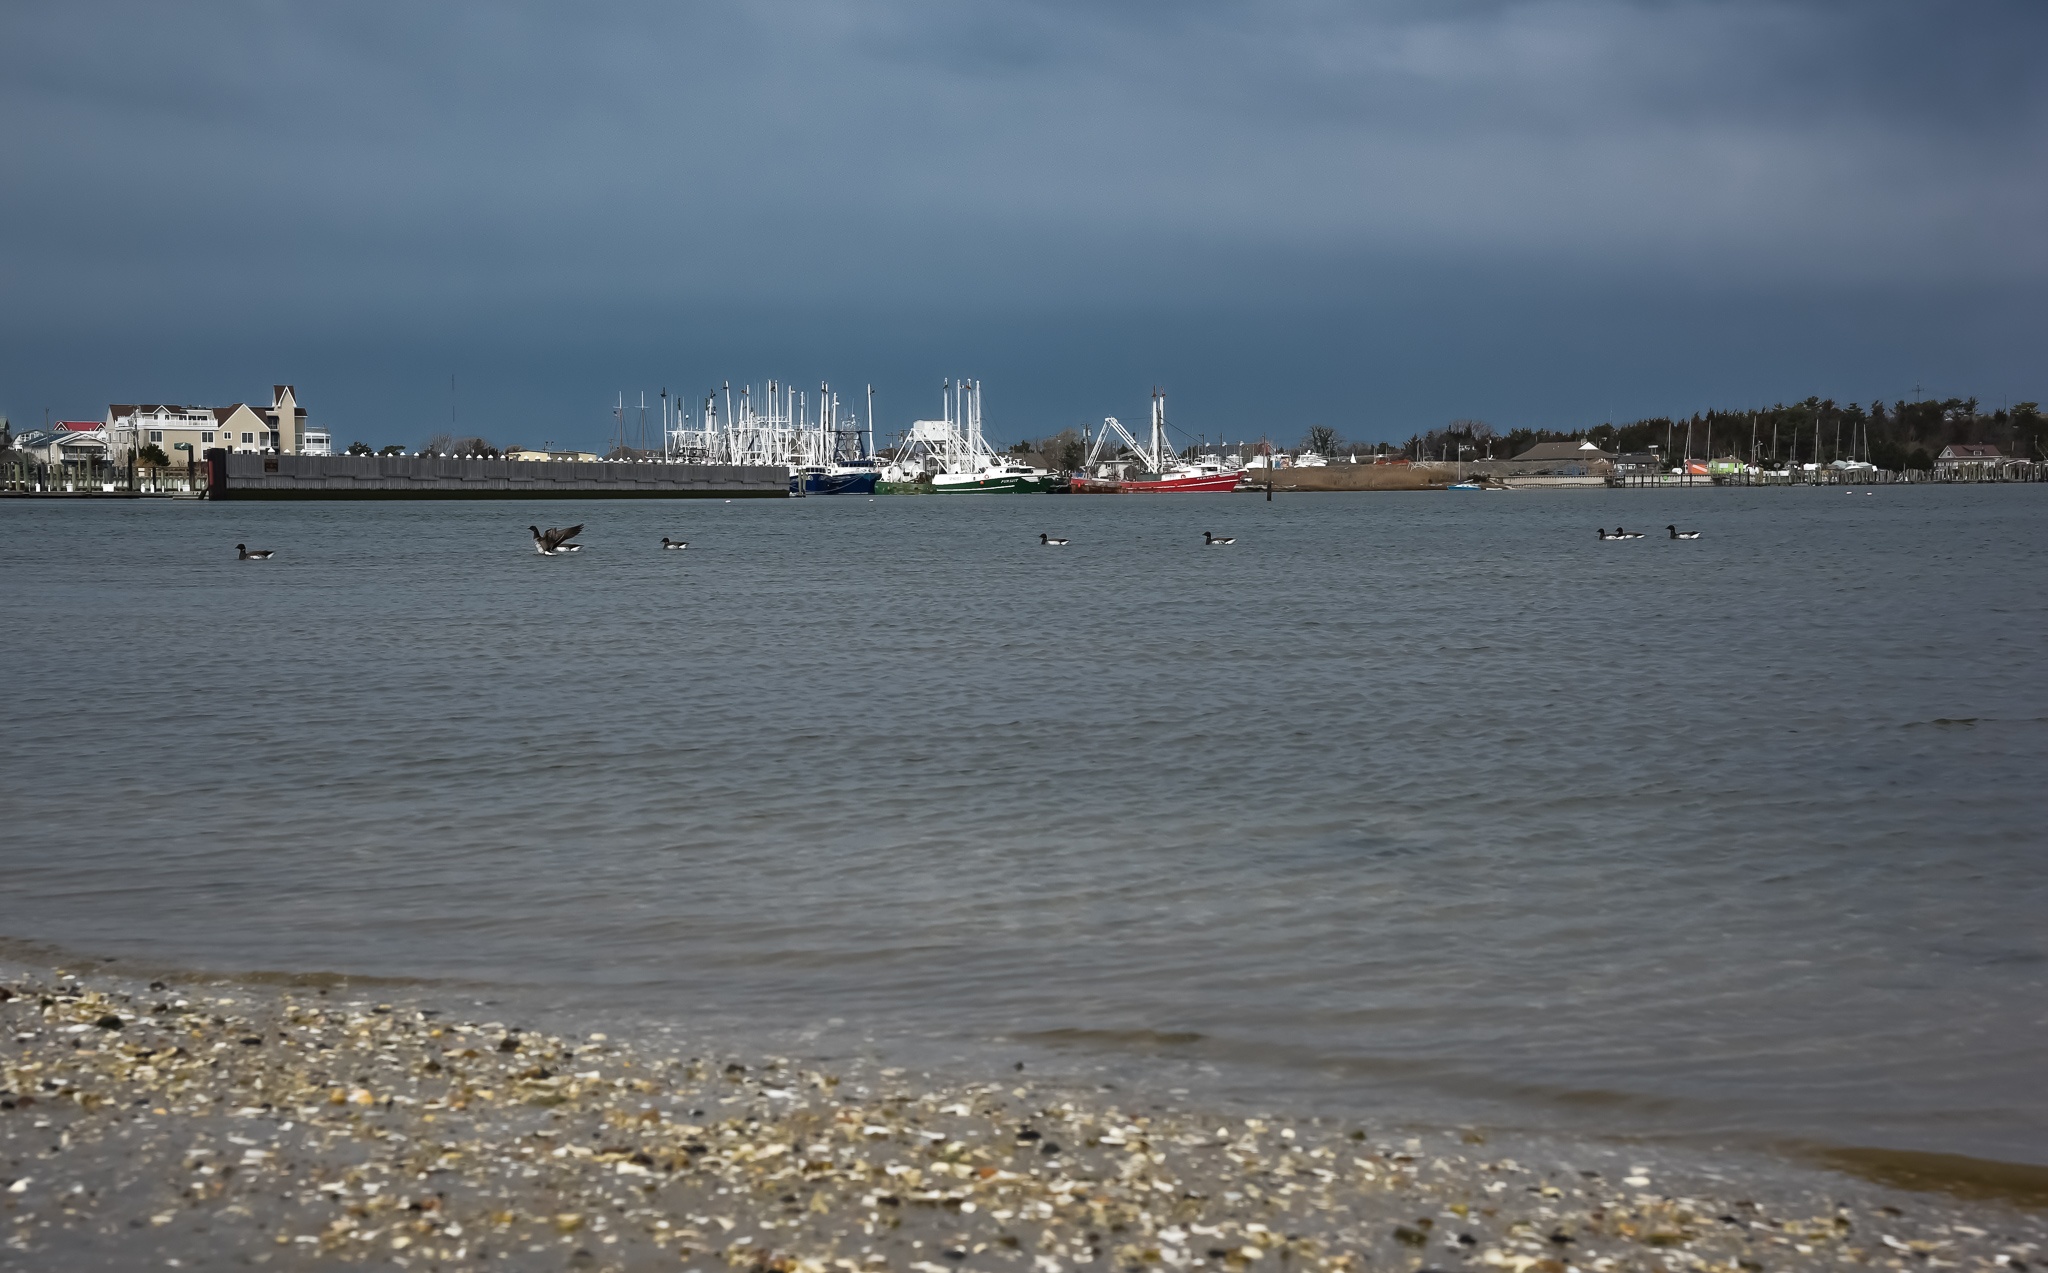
{"type": "Point", "coordinates": [43, 954]}
{"type": "Point", "coordinates": [1138, 1040]}
{"type": "Point", "coordinates": [1958, 1175]}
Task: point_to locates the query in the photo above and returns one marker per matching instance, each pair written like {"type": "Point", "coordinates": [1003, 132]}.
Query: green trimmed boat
{"type": "Point", "coordinates": [996, 479]}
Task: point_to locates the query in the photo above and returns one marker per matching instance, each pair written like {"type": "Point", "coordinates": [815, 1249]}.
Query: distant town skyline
{"type": "Point", "coordinates": [1378, 217]}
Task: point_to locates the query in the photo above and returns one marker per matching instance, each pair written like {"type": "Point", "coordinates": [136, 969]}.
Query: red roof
{"type": "Point", "coordinates": [78, 426]}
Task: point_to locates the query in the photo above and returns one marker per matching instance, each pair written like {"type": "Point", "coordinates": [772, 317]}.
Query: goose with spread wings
{"type": "Point", "coordinates": [555, 540]}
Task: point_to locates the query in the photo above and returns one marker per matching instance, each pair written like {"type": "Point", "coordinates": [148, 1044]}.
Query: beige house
{"type": "Point", "coordinates": [1967, 462]}
{"type": "Point", "coordinates": [196, 430]}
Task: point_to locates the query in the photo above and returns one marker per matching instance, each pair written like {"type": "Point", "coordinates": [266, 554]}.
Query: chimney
{"type": "Point", "coordinates": [286, 409]}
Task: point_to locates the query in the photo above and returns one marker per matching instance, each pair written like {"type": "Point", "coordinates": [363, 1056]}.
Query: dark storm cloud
{"type": "Point", "coordinates": [447, 170]}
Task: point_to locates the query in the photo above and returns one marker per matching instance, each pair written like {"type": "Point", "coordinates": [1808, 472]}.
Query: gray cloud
{"type": "Point", "coordinates": [809, 178]}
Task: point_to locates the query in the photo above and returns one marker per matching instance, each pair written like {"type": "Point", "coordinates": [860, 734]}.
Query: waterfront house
{"type": "Point", "coordinates": [77, 442]}
{"type": "Point", "coordinates": [279, 428]}
{"type": "Point", "coordinates": [1970, 462]}
{"type": "Point", "coordinates": [72, 453]}
{"type": "Point", "coordinates": [1563, 459]}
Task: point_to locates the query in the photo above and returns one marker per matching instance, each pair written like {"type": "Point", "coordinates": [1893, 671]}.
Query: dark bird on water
{"type": "Point", "coordinates": [1682, 534]}
{"type": "Point", "coordinates": [556, 540]}
{"type": "Point", "coordinates": [1218, 541]}
{"type": "Point", "coordinates": [666, 542]}
{"type": "Point", "coordinates": [261, 554]}
{"type": "Point", "coordinates": [1050, 541]}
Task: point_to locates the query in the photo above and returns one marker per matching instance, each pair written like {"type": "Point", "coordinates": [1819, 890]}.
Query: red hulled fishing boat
{"type": "Point", "coordinates": [1164, 477]}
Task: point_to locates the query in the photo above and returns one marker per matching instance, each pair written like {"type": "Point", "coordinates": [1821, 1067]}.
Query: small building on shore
{"type": "Point", "coordinates": [1583, 458]}
{"type": "Point", "coordinates": [1970, 462]}
{"type": "Point", "coordinates": [74, 442]}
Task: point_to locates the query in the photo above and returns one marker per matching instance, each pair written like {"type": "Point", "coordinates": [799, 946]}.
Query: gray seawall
{"type": "Point", "coordinates": [251, 475]}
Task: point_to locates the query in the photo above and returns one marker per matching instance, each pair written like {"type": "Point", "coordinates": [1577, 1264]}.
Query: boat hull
{"type": "Point", "coordinates": [1006, 485]}
{"type": "Point", "coordinates": [834, 483]}
{"type": "Point", "coordinates": [1207, 483]}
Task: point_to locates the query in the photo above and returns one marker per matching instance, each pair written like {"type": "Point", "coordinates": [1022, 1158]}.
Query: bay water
{"type": "Point", "coordinates": [1428, 805]}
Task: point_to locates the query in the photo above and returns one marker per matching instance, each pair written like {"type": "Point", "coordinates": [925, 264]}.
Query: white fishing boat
{"type": "Point", "coordinates": [954, 456]}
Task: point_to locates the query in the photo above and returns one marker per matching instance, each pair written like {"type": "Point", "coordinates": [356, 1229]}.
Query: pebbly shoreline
{"type": "Point", "coordinates": [209, 1125]}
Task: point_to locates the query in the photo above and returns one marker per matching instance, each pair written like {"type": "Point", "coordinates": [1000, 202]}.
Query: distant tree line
{"type": "Point", "coordinates": [1063, 452]}
{"type": "Point", "coordinates": [1904, 435]}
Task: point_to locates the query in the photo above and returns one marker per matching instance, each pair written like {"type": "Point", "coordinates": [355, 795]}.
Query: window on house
{"type": "Point", "coordinates": [248, 439]}
{"type": "Point", "coordinates": [156, 435]}
{"type": "Point", "coordinates": [206, 438]}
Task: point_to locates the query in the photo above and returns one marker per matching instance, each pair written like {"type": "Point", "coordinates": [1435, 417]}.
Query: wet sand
{"type": "Point", "coordinates": [216, 1124]}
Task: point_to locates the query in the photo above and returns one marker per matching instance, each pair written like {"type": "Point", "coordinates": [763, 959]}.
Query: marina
{"type": "Point", "coordinates": [822, 446]}
{"type": "Point", "coordinates": [735, 437]}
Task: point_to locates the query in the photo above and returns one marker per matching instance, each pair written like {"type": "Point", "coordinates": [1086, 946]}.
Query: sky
{"type": "Point", "coordinates": [1378, 216]}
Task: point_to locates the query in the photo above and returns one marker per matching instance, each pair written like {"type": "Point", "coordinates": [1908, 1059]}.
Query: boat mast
{"type": "Point", "coordinates": [1158, 456]}
{"type": "Point", "coordinates": [974, 415]}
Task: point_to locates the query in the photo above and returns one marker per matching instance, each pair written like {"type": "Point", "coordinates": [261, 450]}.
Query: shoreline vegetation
{"type": "Point", "coordinates": [210, 1122]}
{"type": "Point", "coordinates": [1905, 435]}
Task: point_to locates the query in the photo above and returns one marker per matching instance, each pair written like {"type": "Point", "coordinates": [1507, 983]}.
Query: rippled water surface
{"type": "Point", "coordinates": [1424, 801]}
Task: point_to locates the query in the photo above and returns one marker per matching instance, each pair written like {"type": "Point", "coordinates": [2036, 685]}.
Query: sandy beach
{"type": "Point", "coordinates": [213, 1124]}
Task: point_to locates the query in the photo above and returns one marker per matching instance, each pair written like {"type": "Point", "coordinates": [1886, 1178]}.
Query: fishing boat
{"type": "Point", "coordinates": [822, 447]}
{"type": "Point", "coordinates": [849, 477]}
{"type": "Point", "coordinates": [1196, 475]}
{"type": "Point", "coordinates": [996, 479]}
{"type": "Point", "coordinates": [1161, 473]}
{"type": "Point", "coordinates": [953, 455]}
